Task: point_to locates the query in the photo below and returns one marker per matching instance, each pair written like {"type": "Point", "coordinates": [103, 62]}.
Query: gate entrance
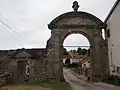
{"type": "Point", "coordinates": [78, 22]}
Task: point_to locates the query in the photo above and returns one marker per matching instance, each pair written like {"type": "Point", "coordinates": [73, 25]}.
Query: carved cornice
{"type": "Point", "coordinates": [77, 14]}
{"type": "Point", "coordinates": [52, 26]}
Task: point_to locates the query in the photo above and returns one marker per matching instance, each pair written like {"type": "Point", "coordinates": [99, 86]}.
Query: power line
{"type": "Point", "coordinates": [11, 30]}
{"type": "Point", "coordinates": [76, 46]}
{"type": "Point", "coordinates": [9, 27]}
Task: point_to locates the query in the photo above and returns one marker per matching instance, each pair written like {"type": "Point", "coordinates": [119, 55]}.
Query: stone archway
{"type": "Point", "coordinates": [83, 23]}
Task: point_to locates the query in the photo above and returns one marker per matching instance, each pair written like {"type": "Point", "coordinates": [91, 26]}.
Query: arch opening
{"type": "Point", "coordinates": [74, 41]}
{"type": "Point", "coordinates": [76, 50]}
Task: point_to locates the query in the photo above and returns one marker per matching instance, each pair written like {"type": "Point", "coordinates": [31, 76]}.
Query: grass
{"type": "Point", "coordinates": [38, 86]}
{"type": "Point", "coordinates": [62, 86]}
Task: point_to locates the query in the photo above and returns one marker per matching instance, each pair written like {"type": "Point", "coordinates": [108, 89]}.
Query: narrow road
{"type": "Point", "coordinates": [78, 84]}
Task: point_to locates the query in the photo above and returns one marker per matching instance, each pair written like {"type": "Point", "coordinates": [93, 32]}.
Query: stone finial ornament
{"type": "Point", "coordinates": [75, 6]}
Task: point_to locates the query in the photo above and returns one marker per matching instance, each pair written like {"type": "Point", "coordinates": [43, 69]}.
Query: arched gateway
{"type": "Point", "coordinates": [82, 23]}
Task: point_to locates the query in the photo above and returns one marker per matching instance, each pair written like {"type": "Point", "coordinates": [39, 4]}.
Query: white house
{"type": "Point", "coordinates": [86, 63]}
{"type": "Point", "coordinates": [74, 58]}
{"type": "Point", "coordinates": [65, 57]}
{"type": "Point", "coordinates": [113, 35]}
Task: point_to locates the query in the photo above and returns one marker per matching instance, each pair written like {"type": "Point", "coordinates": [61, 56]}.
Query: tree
{"type": "Point", "coordinates": [79, 50]}
{"type": "Point", "coordinates": [65, 52]}
{"type": "Point", "coordinates": [88, 52]}
{"type": "Point", "coordinates": [82, 51]}
{"type": "Point", "coordinates": [74, 51]}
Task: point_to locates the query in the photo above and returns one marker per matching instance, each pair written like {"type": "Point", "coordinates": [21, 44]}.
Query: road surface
{"type": "Point", "coordinates": [78, 84]}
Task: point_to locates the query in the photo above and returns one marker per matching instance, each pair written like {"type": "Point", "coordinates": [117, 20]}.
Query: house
{"type": "Point", "coordinates": [74, 57]}
{"type": "Point", "coordinates": [84, 66]}
{"type": "Point", "coordinates": [67, 57]}
{"type": "Point", "coordinates": [86, 63]}
{"type": "Point", "coordinates": [24, 64]}
{"type": "Point", "coordinates": [113, 37]}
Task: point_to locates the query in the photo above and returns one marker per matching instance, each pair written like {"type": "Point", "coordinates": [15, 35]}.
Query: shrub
{"type": "Point", "coordinates": [73, 65]}
{"type": "Point", "coordinates": [112, 79]}
{"type": "Point", "coordinates": [67, 61]}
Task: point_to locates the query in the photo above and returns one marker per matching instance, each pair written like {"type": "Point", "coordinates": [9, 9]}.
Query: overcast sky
{"type": "Point", "coordinates": [29, 18]}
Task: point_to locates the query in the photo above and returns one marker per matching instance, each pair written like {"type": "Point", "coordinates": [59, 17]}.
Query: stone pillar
{"type": "Point", "coordinates": [96, 68]}
{"type": "Point", "coordinates": [61, 64]}
{"type": "Point", "coordinates": [104, 55]}
{"type": "Point", "coordinates": [57, 57]}
{"type": "Point", "coordinates": [96, 58]}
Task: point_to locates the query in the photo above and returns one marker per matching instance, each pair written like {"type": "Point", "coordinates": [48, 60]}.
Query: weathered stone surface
{"type": "Point", "coordinates": [4, 65]}
{"type": "Point", "coordinates": [4, 78]}
{"type": "Point", "coordinates": [85, 24]}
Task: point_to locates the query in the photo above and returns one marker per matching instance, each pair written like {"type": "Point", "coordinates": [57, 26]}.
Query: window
{"type": "Point", "coordinates": [108, 32]}
{"type": "Point", "coordinates": [118, 70]}
{"type": "Point", "coordinates": [113, 69]}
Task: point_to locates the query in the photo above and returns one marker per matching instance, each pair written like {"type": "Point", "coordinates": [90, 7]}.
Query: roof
{"type": "Point", "coordinates": [111, 11]}
{"type": "Point", "coordinates": [67, 56]}
{"type": "Point", "coordinates": [77, 56]}
{"type": "Point", "coordinates": [34, 51]}
{"type": "Point", "coordinates": [12, 53]}
{"type": "Point", "coordinates": [85, 60]}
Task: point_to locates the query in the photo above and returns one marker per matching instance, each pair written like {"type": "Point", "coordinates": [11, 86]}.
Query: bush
{"type": "Point", "coordinates": [73, 65]}
{"type": "Point", "coordinates": [110, 79]}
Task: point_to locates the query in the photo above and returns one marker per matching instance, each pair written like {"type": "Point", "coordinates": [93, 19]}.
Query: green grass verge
{"type": "Point", "coordinates": [62, 86]}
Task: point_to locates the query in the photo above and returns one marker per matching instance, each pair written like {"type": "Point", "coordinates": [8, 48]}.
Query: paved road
{"type": "Point", "coordinates": [78, 84]}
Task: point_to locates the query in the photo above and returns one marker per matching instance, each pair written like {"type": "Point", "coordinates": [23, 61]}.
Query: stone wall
{"type": "Point", "coordinates": [40, 70]}
{"type": "Point", "coordinates": [4, 78]}
{"type": "Point", "coordinates": [4, 65]}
